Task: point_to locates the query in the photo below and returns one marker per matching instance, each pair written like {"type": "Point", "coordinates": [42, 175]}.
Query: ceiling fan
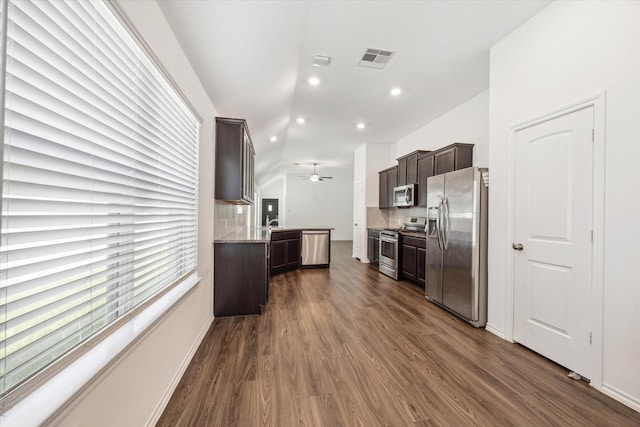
{"type": "Point", "coordinates": [315, 177]}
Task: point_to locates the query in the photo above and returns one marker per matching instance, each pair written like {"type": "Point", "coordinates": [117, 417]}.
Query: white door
{"type": "Point", "coordinates": [553, 225]}
{"type": "Point", "coordinates": [358, 220]}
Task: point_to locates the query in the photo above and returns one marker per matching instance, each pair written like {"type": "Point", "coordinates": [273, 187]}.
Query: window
{"type": "Point", "coordinates": [100, 167]}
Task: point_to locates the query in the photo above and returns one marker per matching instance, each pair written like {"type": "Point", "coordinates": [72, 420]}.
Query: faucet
{"type": "Point", "coordinates": [269, 222]}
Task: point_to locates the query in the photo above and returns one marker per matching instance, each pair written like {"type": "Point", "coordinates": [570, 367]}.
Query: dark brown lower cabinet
{"type": "Point", "coordinates": [240, 282]}
{"type": "Point", "coordinates": [421, 270]}
{"type": "Point", "coordinates": [285, 251]}
{"type": "Point", "coordinates": [373, 245]}
{"type": "Point", "coordinates": [414, 260]}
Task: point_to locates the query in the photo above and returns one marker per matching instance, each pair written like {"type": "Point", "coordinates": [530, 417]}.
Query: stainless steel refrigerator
{"type": "Point", "coordinates": [456, 267]}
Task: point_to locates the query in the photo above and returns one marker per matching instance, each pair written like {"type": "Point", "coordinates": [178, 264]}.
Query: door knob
{"type": "Point", "coordinates": [517, 246]}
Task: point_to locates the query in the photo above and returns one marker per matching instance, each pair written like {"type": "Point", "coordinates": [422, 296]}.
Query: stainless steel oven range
{"type": "Point", "coordinates": [388, 257]}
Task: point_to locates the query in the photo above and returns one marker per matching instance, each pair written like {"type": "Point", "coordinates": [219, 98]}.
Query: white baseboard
{"type": "Point", "coordinates": [495, 331]}
{"type": "Point", "coordinates": [157, 413]}
{"type": "Point", "coordinates": [620, 396]}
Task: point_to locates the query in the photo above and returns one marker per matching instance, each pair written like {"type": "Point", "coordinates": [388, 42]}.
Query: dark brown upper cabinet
{"type": "Point", "coordinates": [416, 167]}
{"type": "Point", "coordinates": [392, 182]}
{"type": "Point", "coordinates": [408, 168]}
{"type": "Point", "coordinates": [235, 158]}
{"type": "Point", "coordinates": [453, 157]}
{"type": "Point", "coordinates": [425, 170]}
{"type": "Point", "coordinates": [388, 179]}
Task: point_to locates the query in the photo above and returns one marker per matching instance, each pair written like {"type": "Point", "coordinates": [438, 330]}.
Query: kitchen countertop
{"type": "Point", "coordinates": [420, 234]}
{"type": "Point", "coordinates": [260, 235]}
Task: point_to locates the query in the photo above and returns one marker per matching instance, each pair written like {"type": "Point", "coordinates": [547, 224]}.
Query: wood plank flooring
{"type": "Point", "coordinates": [347, 346]}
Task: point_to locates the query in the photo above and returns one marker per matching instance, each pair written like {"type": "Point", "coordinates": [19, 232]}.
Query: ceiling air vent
{"type": "Point", "coordinates": [375, 58]}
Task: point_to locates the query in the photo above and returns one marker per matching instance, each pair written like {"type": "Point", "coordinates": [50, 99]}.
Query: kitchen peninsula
{"type": "Point", "coordinates": [245, 259]}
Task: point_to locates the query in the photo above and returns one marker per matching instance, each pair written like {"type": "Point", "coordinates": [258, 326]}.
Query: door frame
{"type": "Point", "coordinates": [598, 102]}
{"type": "Point", "coordinates": [364, 257]}
{"type": "Point", "coordinates": [262, 213]}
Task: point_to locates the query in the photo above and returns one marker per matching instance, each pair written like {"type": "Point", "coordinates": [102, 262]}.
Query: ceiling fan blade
{"type": "Point", "coordinates": [326, 177]}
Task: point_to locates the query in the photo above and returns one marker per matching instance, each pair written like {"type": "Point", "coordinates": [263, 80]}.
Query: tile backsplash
{"type": "Point", "coordinates": [377, 218]}
{"type": "Point", "coordinates": [394, 217]}
{"type": "Point", "coordinates": [229, 218]}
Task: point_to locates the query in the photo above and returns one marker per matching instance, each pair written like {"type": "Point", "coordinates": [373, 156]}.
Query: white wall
{"type": "Point", "coordinates": [467, 123]}
{"type": "Point", "coordinates": [360, 177]}
{"type": "Point", "coordinates": [377, 159]}
{"type": "Point", "coordinates": [568, 52]}
{"type": "Point", "coordinates": [368, 160]}
{"type": "Point", "coordinates": [134, 389]}
{"type": "Point", "coordinates": [322, 204]}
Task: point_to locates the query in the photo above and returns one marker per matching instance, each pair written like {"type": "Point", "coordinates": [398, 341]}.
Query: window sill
{"type": "Point", "coordinates": [50, 396]}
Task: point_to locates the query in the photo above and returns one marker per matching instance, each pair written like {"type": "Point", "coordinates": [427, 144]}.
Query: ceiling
{"type": "Point", "coordinates": [254, 59]}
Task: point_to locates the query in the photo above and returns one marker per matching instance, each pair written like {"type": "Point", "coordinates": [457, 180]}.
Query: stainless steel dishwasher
{"type": "Point", "coordinates": [316, 248]}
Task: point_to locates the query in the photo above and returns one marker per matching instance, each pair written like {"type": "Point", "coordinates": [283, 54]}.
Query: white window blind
{"type": "Point", "coordinates": [99, 197]}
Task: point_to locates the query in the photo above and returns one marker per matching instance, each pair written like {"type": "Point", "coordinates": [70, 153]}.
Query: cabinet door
{"type": "Point", "coordinates": [412, 169]}
{"type": "Point", "coordinates": [370, 247]}
{"type": "Point", "coordinates": [409, 262]}
{"type": "Point", "coordinates": [382, 191]}
{"type": "Point", "coordinates": [421, 260]}
{"type": "Point", "coordinates": [425, 170]}
{"type": "Point", "coordinates": [240, 279]}
{"type": "Point", "coordinates": [376, 250]}
{"type": "Point", "coordinates": [402, 171]}
{"type": "Point", "coordinates": [392, 182]}
{"type": "Point", "coordinates": [251, 175]}
{"type": "Point", "coordinates": [278, 254]}
{"type": "Point", "coordinates": [247, 168]}
{"type": "Point", "coordinates": [293, 253]}
{"type": "Point", "coordinates": [445, 161]}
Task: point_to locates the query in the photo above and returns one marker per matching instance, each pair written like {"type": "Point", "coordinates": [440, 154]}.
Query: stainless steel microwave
{"type": "Point", "coordinates": [405, 195]}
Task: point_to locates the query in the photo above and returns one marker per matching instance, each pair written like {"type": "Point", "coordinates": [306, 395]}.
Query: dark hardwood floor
{"type": "Point", "coordinates": [347, 346]}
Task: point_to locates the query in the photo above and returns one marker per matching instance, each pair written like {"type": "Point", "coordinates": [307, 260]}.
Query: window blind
{"type": "Point", "coordinates": [99, 193]}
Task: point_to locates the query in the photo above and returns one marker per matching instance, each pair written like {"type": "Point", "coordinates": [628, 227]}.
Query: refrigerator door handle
{"type": "Point", "coordinates": [439, 225]}
{"type": "Point", "coordinates": [445, 223]}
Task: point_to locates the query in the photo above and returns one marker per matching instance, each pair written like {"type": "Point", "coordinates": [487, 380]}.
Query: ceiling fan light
{"type": "Point", "coordinates": [314, 177]}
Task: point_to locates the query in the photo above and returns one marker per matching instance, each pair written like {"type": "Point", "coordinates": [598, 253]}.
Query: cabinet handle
{"type": "Point", "coordinates": [517, 246]}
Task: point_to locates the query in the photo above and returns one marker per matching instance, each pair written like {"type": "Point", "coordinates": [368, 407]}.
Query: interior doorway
{"type": "Point", "coordinates": [269, 210]}
{"type": "Point", "coordinates": [553, 229]}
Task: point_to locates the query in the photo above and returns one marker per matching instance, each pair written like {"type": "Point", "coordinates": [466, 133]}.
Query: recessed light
{"type": "Point", "coordinates": [300, 120]}
{"type": "Point", "coordinates": [314, 81]}
{"type": "Point", "coordinates": [273, 138]}
{"type": "Point", "coordinates": [360, 126]}
{"type": "Point", "coordinates": [396, 91]}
